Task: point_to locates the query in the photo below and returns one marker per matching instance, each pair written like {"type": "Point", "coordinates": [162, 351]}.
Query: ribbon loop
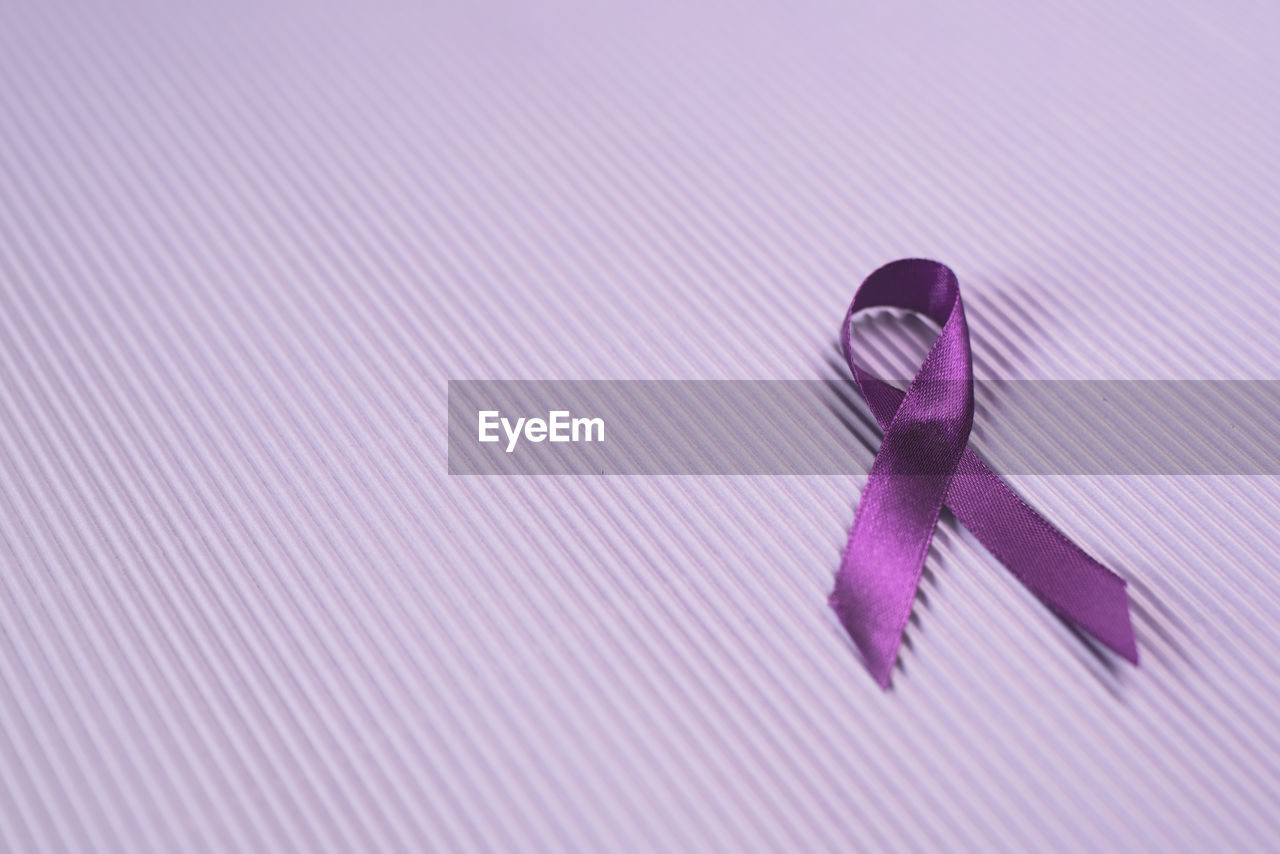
{"type": "Point", "coordinates": [924, 463]}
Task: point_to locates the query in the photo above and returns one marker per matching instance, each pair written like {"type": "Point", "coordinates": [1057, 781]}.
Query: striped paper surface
{"type": "Point", "coordinates": [243, 606]}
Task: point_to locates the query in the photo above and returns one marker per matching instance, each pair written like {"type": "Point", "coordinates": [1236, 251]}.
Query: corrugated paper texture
{"type": "Point", "coordinates": [243, 605]}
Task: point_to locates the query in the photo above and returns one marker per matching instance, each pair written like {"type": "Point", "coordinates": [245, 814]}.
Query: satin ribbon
{"type": "Point", "coordinates": [925, 462]}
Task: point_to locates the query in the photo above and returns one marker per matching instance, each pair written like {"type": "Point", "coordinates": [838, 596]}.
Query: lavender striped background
{"type": "Point", "coordinates": [243, 606]}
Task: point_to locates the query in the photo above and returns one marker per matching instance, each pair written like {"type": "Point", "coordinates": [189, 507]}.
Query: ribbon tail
{"type": "Point", "coordinates": [880, 571]}
{"type": "Point", "coordinates": [1070, 582]}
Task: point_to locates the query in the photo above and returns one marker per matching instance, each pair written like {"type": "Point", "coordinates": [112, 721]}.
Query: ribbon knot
{"type": "Point", "coordinates": [925, 462]}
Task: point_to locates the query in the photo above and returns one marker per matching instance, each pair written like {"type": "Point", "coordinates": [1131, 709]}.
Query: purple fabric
{"type": "Point", "coordinates": [923, 463]}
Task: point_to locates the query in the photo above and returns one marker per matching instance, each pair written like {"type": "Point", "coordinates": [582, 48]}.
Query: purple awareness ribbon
{"type": "Point", "coordinates": [925, 462]}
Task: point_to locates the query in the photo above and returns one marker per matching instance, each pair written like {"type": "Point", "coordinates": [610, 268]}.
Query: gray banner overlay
{"type": "Point", "coordinates": [824, 427]}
